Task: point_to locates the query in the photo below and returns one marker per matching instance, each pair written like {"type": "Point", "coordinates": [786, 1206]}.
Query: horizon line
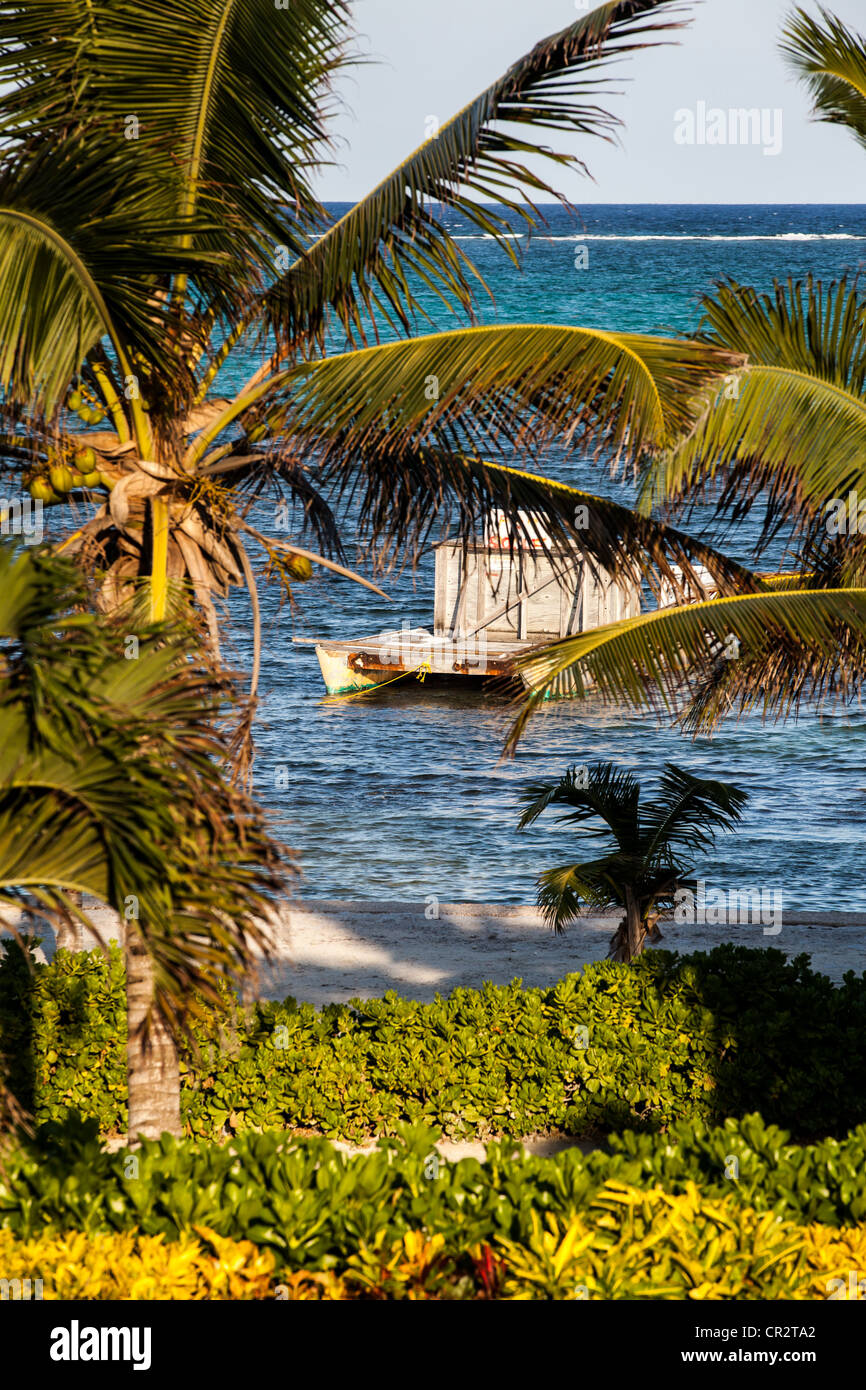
{"type": "Point", "coordinates": [658, 204]}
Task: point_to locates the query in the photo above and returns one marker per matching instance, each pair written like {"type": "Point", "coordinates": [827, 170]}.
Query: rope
{"type": "Point", "coordinates": [421, 672]}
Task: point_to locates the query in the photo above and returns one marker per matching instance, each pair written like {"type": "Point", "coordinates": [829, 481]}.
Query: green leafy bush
{"type": "Point", "coordinates": [699, 1038]}
{"type": "Point", "coordinates": [315, 1207]}
{"type": "Point", "coordinates": [63, 1033]}
{"type": "Point", "coordinates": [624, 1244]}
{"type": "Point", "coordinates": [755, 1162]}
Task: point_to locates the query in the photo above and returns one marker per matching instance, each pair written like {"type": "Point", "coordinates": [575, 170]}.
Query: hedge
{"type": "Point", "coordinates": [132, 1267]}
{"type": "Point", "coordinates": [626, 1245]}
{"type": "Point", "coordinates": [301, 1221]}
{"type": "Point", "coordinates": [312, 1204]}
{"type": "Point", "coordinates": [630, 1245]}
{"type": "Point", "coordinates": [700, 1037]}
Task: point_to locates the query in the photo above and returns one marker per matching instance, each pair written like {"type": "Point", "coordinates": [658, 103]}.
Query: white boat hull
{"type": "Point", "coordinates": [386, 658]}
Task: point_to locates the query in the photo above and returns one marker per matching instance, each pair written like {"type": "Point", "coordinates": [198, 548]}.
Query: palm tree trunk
{"type": "Point", "coordinates": [152, 1065]}
{"type": "Point", "coordinates": [635, 929]}
{"type": "Point", "coordinates": [67, 932]}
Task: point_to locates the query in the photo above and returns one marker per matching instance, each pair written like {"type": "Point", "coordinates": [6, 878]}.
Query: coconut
{"type": "Point", "coordinates": [300, 568]}
{"type": "Point", "coordinates": [42, 491]}
{"type": "Point", "coordinates": [62, 478]}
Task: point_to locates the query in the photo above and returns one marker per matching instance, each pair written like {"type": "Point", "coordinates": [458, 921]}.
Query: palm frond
{"type": "Point", "coordinates": [84, 245]}
{"type": "Point", "coordinates": [831, 60]}
{"type": "Point", "coordinates": [285, 551]}
{"type": "Point", "coordinates": [622, 394]}
{"type": "Point", "coordinates": [601, 791]}
{"type": "Point", "coordinates": [235, 95]}
{"type": "Point", "coordinates": [290, 481]}
{"type": "Point", "coordinates": [223, 102]}
{"type": "Point", "coordinates": [660, 658]}
{"type": "Point", "coordinates": [402, 498]}
{"type": "Point", "coordinates": [777, 680]}
{"type": "Point", "coordinates": [156, 172]}
{"type": "Point", "coordinates": [403, 427]}
{"type": "Point", "coordinates": [115, 767]}
{"type": "Point", "coordinates": [791, 436]}
{"type": "Point", "coordinates": [568, 892]}
{"type": "Point", "coordinates": [370, 263]}
{"type": "Point", "coordinates": [62, 849]}
{"type": "Point", "coordinates": [687, 811]}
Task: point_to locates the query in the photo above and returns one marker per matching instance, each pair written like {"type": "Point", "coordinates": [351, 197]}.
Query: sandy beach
{"type": "Point", "coordinates": [333, 951]}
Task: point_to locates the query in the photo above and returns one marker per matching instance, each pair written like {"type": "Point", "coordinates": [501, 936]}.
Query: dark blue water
{"type": "Point", "coordinates": [403, 795]}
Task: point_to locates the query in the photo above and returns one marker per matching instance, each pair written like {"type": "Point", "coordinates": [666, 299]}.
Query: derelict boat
{"type": "Point", "coordinates": [491, 604]}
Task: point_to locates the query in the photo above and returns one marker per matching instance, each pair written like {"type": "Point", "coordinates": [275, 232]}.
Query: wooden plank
{"type": "Point", "coordinates": [543, 617]}
{"type": "Point", "coordinates": [524, 571]}
{"type": "Point", "coordinates": [440, 591]}
{"type": "Point", "coordinates": [456, 590]}
{"type": "Point", "coordinates": [591, 602]}
{"type": "Point", "coordinates": [571, 611]}
{"type": "Point", "coordinates": [549, 607]}
{"type": "Point", "coordinates": [456, 603]}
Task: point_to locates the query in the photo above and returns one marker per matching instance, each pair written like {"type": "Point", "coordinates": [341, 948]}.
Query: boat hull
{"type": "Point", "coordinates": [368, 664]}
{"type": "Point", "coordinates": [340, 678]}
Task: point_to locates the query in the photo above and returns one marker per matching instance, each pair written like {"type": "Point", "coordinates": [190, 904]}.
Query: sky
{"type": "Point", "coordinates": [428, 58]}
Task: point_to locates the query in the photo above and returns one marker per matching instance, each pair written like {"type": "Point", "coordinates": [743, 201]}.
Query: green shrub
{"type": "Point", "coordinates": [755, 1162]}
{"type": "Point", "coordinates": [315, 1207]}
{"type": "Point", "coordinates": [63, 1033]}
{"type": "Point", "coordinates": [700, 1037]}
{"type": "Point", "coordinates": [624, 1244]}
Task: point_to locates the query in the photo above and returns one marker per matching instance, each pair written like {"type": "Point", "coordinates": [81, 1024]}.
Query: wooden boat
{"type": "Point", "coordinates": [491, 603]}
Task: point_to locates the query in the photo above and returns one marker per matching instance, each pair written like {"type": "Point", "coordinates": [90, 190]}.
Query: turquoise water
{"type": "Point", "coordinates": [403, 795]}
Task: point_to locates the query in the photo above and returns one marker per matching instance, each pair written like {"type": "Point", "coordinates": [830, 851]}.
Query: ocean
{"type": "Point", "coordinates": [404, 795]}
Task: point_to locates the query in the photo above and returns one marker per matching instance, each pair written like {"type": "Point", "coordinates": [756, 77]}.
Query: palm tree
{"type": "Point", "coordinates": [643, 869]}
{"type": "Point", "coordinates": [157, 212]}
{"type": "Point", "coordinates": [111, 785]}
{"type": "Point", "coordinates": [831, 59]}
{"type": "Point", "coordinates": [787, 443]}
